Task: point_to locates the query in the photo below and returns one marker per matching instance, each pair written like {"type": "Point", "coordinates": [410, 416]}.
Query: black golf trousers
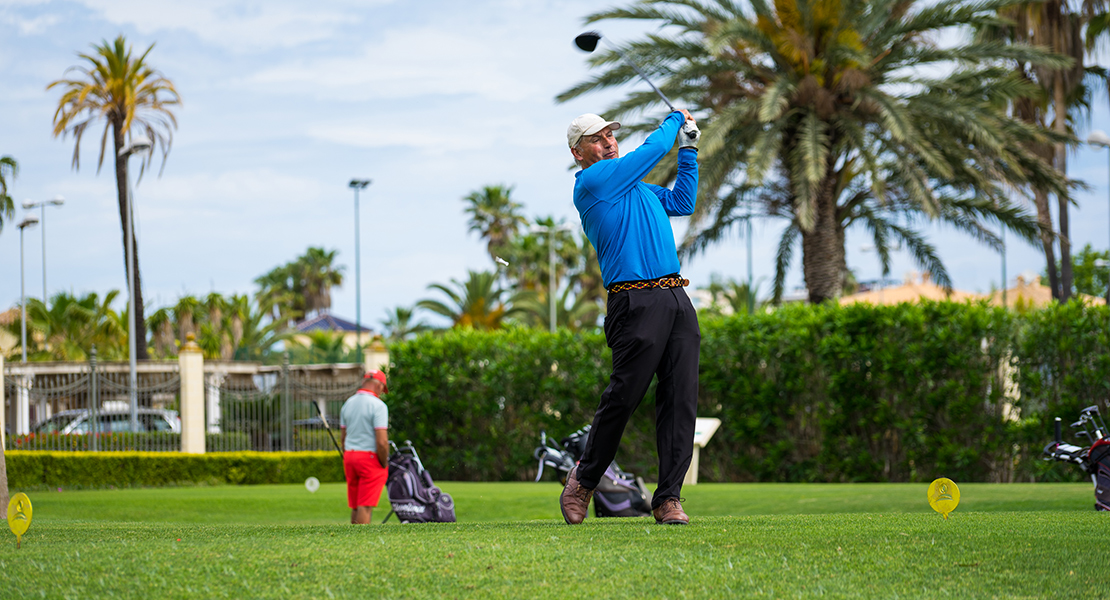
{"type": "Point", "coordinates": [651, 332]}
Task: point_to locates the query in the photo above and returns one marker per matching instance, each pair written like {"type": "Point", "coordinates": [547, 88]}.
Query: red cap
{"type": "Point", "coordinates": [376, 374]}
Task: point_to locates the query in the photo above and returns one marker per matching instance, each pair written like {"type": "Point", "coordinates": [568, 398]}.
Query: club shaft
{"type": "Point", "coordinates": [324, 419]}
{"type": "Point", "coordinates": [636, 68]}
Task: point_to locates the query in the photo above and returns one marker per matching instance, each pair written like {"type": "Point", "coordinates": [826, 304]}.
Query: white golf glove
{"type": "Point", "coordinates": [689, 135]}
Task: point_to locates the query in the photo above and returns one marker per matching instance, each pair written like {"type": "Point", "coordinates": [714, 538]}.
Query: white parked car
{"type": "Point", "coordinates": [109, 421]}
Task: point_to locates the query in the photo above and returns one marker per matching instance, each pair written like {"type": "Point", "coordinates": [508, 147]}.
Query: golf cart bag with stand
{"type": "Point", "coordinates": [412, 495]}
{"type": "Point", "coordinates": [618, 494]}
{"type": "Point", "coordinates": [1094, 459]}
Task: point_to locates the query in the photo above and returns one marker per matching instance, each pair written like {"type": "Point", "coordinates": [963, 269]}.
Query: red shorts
{"type": "Point", "coordinates": [365, 478]}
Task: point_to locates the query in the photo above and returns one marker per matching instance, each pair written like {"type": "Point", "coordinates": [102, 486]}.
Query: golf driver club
{"type": "Point", "coordinates": [587, 42]}
{"type": "Point", "coordinates": [326, 426]}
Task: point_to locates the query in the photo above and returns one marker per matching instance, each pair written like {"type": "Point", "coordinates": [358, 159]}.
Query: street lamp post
{"type": "Point", "coordinates": [356, 185]}
{"type": "Point", "coordinates": [27, 204]}
{"type": "Point", "coordinates": [137, 145]}
{"type": "Point", "coordinates": [551, 230]}
{"type": "Point", "coordinates": [1099, 138]}
{"type": "Point", "coordinates": [24, 224]}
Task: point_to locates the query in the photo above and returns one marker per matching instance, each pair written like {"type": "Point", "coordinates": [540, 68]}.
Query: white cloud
{"type": "Point", "coordinates": [408, 64]}
{"type": "Point", "coordinates": [30, 26]}
{"type": "Point", "coordinates": [241, 26]}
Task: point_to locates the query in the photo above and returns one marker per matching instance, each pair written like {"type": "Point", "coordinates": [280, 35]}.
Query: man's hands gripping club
{"type": "Point", "coordinates": [689, 135]}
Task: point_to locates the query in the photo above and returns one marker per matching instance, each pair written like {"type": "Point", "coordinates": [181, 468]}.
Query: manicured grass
{"type": "Point", "coordinates": [763, 540]}
{"type": "Point", "coordinates": [486, 502]}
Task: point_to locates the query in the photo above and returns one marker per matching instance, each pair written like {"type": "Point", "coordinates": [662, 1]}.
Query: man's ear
{"type": "Point", "coordinates": [576, 154]}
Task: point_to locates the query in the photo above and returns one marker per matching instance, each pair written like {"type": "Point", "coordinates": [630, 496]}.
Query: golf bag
{"type": "Point", "coordinates": [1094, 459]}
{"type": "Point", "coordinates": [412, 495]}
{"type": "Point", "coordinates": [618, 494]}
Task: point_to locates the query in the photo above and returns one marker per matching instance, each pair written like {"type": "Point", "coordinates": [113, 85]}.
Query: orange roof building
{"type": "Point", "coordinates": [1031, 294]}
{"type": "Point", "coordinates": [913, 290]}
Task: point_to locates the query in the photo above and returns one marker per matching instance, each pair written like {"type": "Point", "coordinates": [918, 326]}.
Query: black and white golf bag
{"type": "Point", "coordinates": [412, 494]}
{"type": "Point", "coordinates": [618, 494]}
{"type": "Point", "coordinates": [1094, 459]}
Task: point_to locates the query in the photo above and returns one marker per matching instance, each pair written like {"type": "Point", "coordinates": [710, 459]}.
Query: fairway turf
{"type": "Point", "coordinates": [778, 540]}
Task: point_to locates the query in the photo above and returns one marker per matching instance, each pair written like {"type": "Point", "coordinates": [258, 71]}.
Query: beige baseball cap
{"type": "Point", "coordinates": [587, 124]}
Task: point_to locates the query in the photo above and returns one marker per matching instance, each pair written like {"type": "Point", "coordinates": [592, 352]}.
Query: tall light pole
{"type": "Point", "coordinates": [551, 230]}
{"type": "Point", "coordinates": [1099, 138]}
{"type": "Point", "coordinates": [27, 204]}
{"type": "Point", "coordinates": [24, 224]}
{"type": "Point", "coordinates": [136, 145]}
{"type": "Point", "coordinates": [356, 185]}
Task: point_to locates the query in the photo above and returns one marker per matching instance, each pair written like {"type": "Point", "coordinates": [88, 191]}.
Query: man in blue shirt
{"type": "Point", "coordinates": [650, 324]}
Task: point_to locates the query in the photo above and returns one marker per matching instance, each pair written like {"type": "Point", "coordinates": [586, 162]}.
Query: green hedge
{"type": "Point", "coordinates": [805, 393]}
{"type": "Point", "coordinates": [36, 470]}
{"type": "Point", "coordinates": [123, 441]}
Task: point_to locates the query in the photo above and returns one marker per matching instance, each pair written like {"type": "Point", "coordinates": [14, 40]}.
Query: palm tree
{"type": "Point", "coordinates": [477, 303]}
{"type": "Point", "coordinates": [300, 287]}
{"type": "Point", "coordinates": [255, 330]}
{"type": "Point", "coordinates": [494, 215]}
{"type": "Point", "coordinates": [8, 170]}
{"type": "Point", "coordinates": [731, 297]}
{"type": "Point", "coordinates": [529, 258]}
{"type": "Point", "coordinates": [130, 96]}
{"type": "Point", "coordinates": [325, 347]}
{"type": "Point", "coordinates": [317, 274]}
{"type": "Point", "coordinates": [278, 291]}
{"type": "Point", "coordinates": [828, 105]}
{"type": "Point", "coordinates": [1059, 26]}
{"type": "Point", "coordinates": [398, 324]}
{"type": "Point", "coordinates": [572, 311]}
{"type": "Point", "coordinates": [69, 326]}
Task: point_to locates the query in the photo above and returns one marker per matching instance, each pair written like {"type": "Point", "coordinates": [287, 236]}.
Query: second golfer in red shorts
{"type": "Point", "coordinates": [364, 420]}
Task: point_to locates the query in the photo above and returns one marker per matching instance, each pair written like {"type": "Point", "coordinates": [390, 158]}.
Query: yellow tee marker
{"type": "Point", "coordinates": [944, 496]}
{"type": "Point", "coordinates": [19, 516]}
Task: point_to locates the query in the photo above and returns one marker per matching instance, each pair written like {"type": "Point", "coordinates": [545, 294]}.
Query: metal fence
{"type": "Point", "coordinates": [86, 406]}
{"type": "Point", "coordinates": [248, 406]}
{"type": "Point", "coordinates": [276, 408]}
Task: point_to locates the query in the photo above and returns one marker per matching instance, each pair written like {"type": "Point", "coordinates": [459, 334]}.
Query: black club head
{"type": "Point", "coordinates": [587, 42]}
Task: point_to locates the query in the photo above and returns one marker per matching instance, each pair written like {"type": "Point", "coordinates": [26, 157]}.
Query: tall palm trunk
{"type": "Point", "coordinates": [1044, 217]}
{"type": "Point", "coordinates": [823, 260]}
{"type": "Point", "coordinates": [1060, 124]}
{"type": "Point", "coordinates": [122, 188]}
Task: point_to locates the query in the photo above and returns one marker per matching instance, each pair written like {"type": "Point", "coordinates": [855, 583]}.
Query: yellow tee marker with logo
{"type": "Point", "coordinates": [19, 516]}
{"type": "Point", "coordinates": [944, 496]}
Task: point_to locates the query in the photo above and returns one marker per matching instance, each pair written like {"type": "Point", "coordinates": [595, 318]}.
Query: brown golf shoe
{"type": "Point", "coordinates": [575, 499]}
{"type": "Point", "coordinates": [670, 513]}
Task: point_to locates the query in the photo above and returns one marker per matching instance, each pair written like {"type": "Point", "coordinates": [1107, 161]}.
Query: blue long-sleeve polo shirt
{"type": "Point", "coordinates": [625, 218]}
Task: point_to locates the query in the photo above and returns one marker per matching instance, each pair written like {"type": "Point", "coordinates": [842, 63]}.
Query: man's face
{"type": "Point", "coordinates": [592, 148]}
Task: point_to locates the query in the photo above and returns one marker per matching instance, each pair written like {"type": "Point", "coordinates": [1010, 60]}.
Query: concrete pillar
{"type": "Point", "coordinates": [377, 356]}
{"type": "Point", "coordinates": [214, 381]}
{"type": "Point", "coordinates": [191, 361]}
{"type": "Point", "coordinates": [21, 418]}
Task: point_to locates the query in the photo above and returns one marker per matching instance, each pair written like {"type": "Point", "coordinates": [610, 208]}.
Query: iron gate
{"type": "Point", "coordinates": [86, 406]}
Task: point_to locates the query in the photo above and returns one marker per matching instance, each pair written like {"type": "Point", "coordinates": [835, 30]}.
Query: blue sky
{"type": "Point", "coordinates": [284, 102]}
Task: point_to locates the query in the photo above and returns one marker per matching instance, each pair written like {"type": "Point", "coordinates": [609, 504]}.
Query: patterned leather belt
{"type": "Point", "coordinates": [662, 282]}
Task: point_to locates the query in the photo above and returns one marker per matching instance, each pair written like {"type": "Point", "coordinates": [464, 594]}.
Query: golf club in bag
{"type": "Point", "coordinates": [412, 494]}
{"type": "Point", "coordinates": [618, 494]}
{"type": "Point", "coordinates": [1094, 459]}
{"type": "Point", "coordinates": [587, 42]}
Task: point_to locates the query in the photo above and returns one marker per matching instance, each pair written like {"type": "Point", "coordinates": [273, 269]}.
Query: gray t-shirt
{"type": "Point", "coordinates": [361, 415]}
